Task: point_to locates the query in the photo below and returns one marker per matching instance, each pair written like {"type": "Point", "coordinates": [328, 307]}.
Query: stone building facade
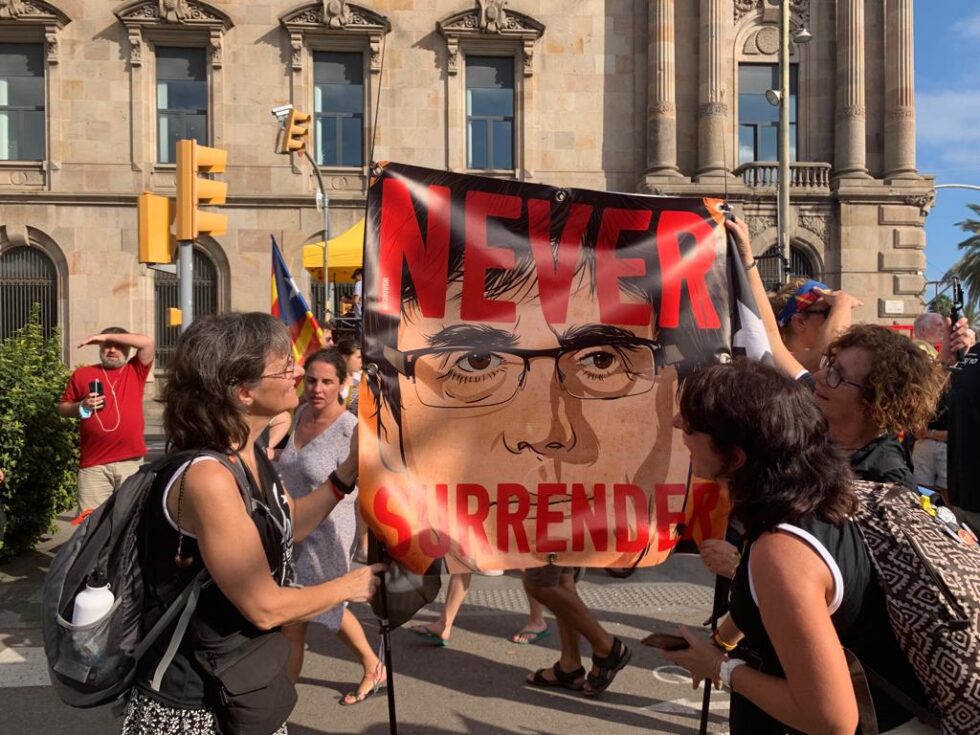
{"type": "Point", "coordinates": [627, 95]}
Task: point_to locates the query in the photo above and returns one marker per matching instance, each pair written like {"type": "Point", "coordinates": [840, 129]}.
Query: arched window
{"type": "Point", "coordinates": [27, 277]}
{"type": "Point", "coordinates": [771, 266]}
{"type": "Point", "coordinates": [168, 297]}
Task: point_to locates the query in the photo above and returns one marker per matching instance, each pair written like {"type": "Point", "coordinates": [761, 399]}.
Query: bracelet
{"type": "Point", "coordinates": [719, 643]}
{"type": "Point", "coordinates": [336, 493]}
{"type": "Point", "coordinates": [751, 265]}
{"type": "Point", "coordinates": [83, 413]}
{"type": "Point", "coordinates": [339, 486]}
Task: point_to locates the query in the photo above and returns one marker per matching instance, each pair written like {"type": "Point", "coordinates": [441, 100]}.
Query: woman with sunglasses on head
{"type": "Point", "coordinates": [319, 444]}
{"type": "Point", "coordinates": [804, 588]}
{"type": "Point", "coordinates": [874, 383]}
{"type": "Point", "coordinates": [810, 316]}
{"type": "Point", "coordinates": [230, 375]}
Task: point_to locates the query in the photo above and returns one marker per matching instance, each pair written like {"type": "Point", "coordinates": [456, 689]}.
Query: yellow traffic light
{"type": "Point", "coordinates": [295, 133]}
{"type": "Point", "coordinates": [175, 317]}
{"type": "Point", "coordinates": [155, 215]}
{"type": "Point", "coordinates": [193, 190]}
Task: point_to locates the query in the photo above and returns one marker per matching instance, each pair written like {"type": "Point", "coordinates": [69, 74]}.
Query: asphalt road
{"type": "Point", "coordinates": [475, 685]}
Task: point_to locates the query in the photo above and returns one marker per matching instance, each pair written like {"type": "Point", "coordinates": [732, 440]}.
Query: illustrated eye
{"type": "Point", "coordinates": [476, 362]}
{"type": "Point", "coordinates": [598, 359]}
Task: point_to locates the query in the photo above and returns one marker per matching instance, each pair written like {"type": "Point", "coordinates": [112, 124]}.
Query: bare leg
{"type": "Point", "coordinates": [535, 622]}
{"type": "Point", "coordinates": [459, 585]}
{"type": "Point", "coordinates": [352, 634]}
{"type": "Point", "coordinates": [296, 635]}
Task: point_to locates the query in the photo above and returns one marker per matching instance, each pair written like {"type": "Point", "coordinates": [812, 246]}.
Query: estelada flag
{"type": "Point", "coordinates": [291, 308]}
{"type": "Point", "coordinates": [523, 350]}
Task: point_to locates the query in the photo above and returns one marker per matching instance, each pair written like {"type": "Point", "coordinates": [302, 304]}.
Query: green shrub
{"type": "Point", "coordinates": [38, 449]}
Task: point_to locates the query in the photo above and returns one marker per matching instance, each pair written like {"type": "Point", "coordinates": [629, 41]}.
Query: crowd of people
{"type": "Point", "coordinates": [840, 402]}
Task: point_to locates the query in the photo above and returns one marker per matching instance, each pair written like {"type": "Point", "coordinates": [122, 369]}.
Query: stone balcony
{"type": "Point", "coordinates": [812, 175]}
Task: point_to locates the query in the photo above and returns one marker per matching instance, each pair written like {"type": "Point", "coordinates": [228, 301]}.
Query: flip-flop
{"type": "Point", "coordinates": [531, 636]}
{"type": "Point", "coordinates": [423, 632]}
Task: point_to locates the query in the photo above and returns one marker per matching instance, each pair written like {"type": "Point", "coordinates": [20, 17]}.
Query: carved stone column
{"type": "Point", "coordinates": [661, 92]}
{"type": "Point", "coordinates": [716, 18]}
{"type": "Point", "coordinates": [850, 151]}
{"type": "Point", "coordinates": [899, 91]}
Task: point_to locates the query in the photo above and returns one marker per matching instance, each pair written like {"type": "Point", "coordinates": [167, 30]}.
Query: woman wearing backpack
{"type": "Point", "coordinates": [230, 375]}
{"type": "Point", "coordinates": [804, 586]}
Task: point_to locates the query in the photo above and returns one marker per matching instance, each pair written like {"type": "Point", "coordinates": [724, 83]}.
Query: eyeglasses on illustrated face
{"type": "Point", "coordinates": [471, 376]}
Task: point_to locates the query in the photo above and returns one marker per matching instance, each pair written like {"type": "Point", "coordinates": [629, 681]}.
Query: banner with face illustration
{"type": "Point", "coordinates": [523, 346]}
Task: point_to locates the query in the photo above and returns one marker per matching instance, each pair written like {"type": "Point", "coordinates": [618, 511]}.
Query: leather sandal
{"type": "Point", "coordinates": [572, 680]}
{"type": "Point", "coordinates": [607, 668]}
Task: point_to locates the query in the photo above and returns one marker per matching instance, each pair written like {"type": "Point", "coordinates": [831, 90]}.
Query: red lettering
{"type": "Point", "coordinates": [512, 519]}
{"type": "Point", "coordinates": [624, 496]}
{"type": "Point", "coordinates": [401, 244]}
{"type": "Point", "coordinates": [398, 523]}
{"type": "Point", "coordinates": [556, 271]}
{"type": "Point", "coordinates": [546, 517]}
{"type": "Point", "coordinates": [609, 269]}
{"type": "Point", "coordinates": [692, 269]}
{"type": "Point", "coordinates": [667, 519]}
{"type": "Point", "coordinates": [705, 497]}
{"type": "Point", "coordinates": [434, 540]}
{"type": "Point", "coordinates": [480, 257]}
{"type": "Point", "coordinates": [470, 523]}
{"type": "Point", "coordinates": [589, 515]}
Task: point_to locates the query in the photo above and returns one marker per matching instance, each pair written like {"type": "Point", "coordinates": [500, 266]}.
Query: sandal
{"type": "Point", "coordinates": [607, 666]}
{"type": "Point", "coordinates": [379, 685]}
{"type": "Point", "coordinates": [424, 631]}
{"type": "Point", "coordinates": [572, 680]}
{"type": "Point", "coordinates": [525, 637]}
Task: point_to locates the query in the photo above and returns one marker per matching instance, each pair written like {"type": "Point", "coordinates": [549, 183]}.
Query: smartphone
{"type": "Point", "coordinates": [665, 642]}
{"type": "Point", "coordinates": [95, 386]}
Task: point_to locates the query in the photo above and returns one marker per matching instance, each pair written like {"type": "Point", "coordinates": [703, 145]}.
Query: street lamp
{"type": "Point", "coordinates": [781, 98]}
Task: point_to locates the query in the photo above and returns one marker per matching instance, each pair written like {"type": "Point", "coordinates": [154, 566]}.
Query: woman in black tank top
{"type": "Point", "coordinates": [804, 588]}
{"type": "Point", "coordinates": [230, 375]}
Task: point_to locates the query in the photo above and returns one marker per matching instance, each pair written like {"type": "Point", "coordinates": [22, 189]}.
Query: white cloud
{"type": "Point", "coordinates": [950, 116]}
{"type": "Point", "coordinates": [968, 27]}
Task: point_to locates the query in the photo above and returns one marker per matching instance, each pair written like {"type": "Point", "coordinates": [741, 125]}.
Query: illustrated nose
{"type": "Point", "coordinates": [550, 422]}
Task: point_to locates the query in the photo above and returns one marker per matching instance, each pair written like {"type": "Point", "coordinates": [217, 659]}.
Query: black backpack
{"type": "Point", "coordinates": [94, 664]}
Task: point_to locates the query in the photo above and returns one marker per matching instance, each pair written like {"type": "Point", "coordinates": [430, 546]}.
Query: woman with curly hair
{"type": "Point", "coordinates": [804, 589]}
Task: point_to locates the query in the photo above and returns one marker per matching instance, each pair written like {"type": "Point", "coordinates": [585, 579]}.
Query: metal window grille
{"type": "Point", "coordinates": [339, 291]}
{"type": "Point", "coordinates": [167, 297]}
{"type": "Point", "coordinates": [27, 277]}
{"type": "Point", "coordinates": [771, 266]}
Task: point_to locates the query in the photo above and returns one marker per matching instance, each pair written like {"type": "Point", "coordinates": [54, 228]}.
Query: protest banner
{"type": "Point", "coordinates": [524, 345]}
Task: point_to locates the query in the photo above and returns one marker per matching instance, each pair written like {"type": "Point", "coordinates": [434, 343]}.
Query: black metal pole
{"type": "Point", "coordinates": [386, 643]}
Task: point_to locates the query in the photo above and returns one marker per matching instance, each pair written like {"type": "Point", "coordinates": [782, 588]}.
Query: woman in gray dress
{"type": "Point", "coordinates": [319, 443]}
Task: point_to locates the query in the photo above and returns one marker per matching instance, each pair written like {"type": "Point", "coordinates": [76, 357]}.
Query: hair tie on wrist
{"type": "Point", "coordinates": [751, 265]}
{"type": "Point", "coordinates": [339, 485]}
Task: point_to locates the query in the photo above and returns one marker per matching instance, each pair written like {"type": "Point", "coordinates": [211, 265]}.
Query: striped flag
{"type": "Point", "coordinates": [291, 308]}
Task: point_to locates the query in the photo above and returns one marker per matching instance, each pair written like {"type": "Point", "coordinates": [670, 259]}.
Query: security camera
{"type": "Point", "coordinates": [282, 111]}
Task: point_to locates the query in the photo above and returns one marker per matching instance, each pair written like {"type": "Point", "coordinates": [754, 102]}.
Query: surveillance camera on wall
{"type": "Point", "coordinates": [282, 111]}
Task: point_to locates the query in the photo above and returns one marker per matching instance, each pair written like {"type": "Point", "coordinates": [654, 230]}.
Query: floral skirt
{"type": "Point", "coordinates": [145, 716]}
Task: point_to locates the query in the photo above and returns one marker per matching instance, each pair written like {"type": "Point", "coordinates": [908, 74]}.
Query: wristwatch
{"type": "Point", "coordinates": [727, 667]}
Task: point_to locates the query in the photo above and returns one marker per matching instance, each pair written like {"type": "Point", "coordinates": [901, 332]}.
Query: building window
{"type": "Point", "coordinates": [28, 278]}
{"type": "Point", "coordinates": [182, 99]}
{"type": "Point", "coordinates": [338, 81]}
{"type": "Point", "coordinates": [165, 287]}
{"type": "Point", "coordinates": [490, 112]}
{"type": "Point", "coordinates": [758, 120]}
{"type": "Point", "coordinates": [771, 266]}
{"type": "Point", "coordinates": [21, 102]}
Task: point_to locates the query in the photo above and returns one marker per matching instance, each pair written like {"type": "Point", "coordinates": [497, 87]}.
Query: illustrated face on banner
{"type": "Point", "coordinates": [526, 413]}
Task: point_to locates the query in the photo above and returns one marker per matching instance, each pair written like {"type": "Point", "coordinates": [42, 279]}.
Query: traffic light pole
{"type": "Point", "coordinates": [185, 280]}
{"type": "Point", "coordinates": [327, 288]}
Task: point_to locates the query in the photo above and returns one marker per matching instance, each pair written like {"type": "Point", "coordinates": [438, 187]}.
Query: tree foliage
{"type": "Point", "coordinates": [967, 268]}
{"type": "Point", "coordinates": [38, 449]}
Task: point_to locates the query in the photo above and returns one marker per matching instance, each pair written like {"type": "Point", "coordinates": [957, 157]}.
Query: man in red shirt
{"type": "Point", "coordinates": [111, 431]}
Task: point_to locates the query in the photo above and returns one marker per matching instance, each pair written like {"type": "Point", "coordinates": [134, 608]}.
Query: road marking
{"type": "Point", "coordinates": [23, 666]}
{"type": "Point", "coordinates": [672, 675]}
{"type": "Point", "coordinates": [720, 703]}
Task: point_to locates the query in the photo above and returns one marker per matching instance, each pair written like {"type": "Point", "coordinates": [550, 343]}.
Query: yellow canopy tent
{"type": "Point", "coordinates": [346, 253]}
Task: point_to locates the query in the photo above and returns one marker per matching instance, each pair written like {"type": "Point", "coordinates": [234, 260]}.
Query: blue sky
{"type": "Point", "coordinates": [947, 37]}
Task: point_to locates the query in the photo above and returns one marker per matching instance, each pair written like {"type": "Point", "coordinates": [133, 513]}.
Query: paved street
{"type": "Point", "coordinates": [472, 686]}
